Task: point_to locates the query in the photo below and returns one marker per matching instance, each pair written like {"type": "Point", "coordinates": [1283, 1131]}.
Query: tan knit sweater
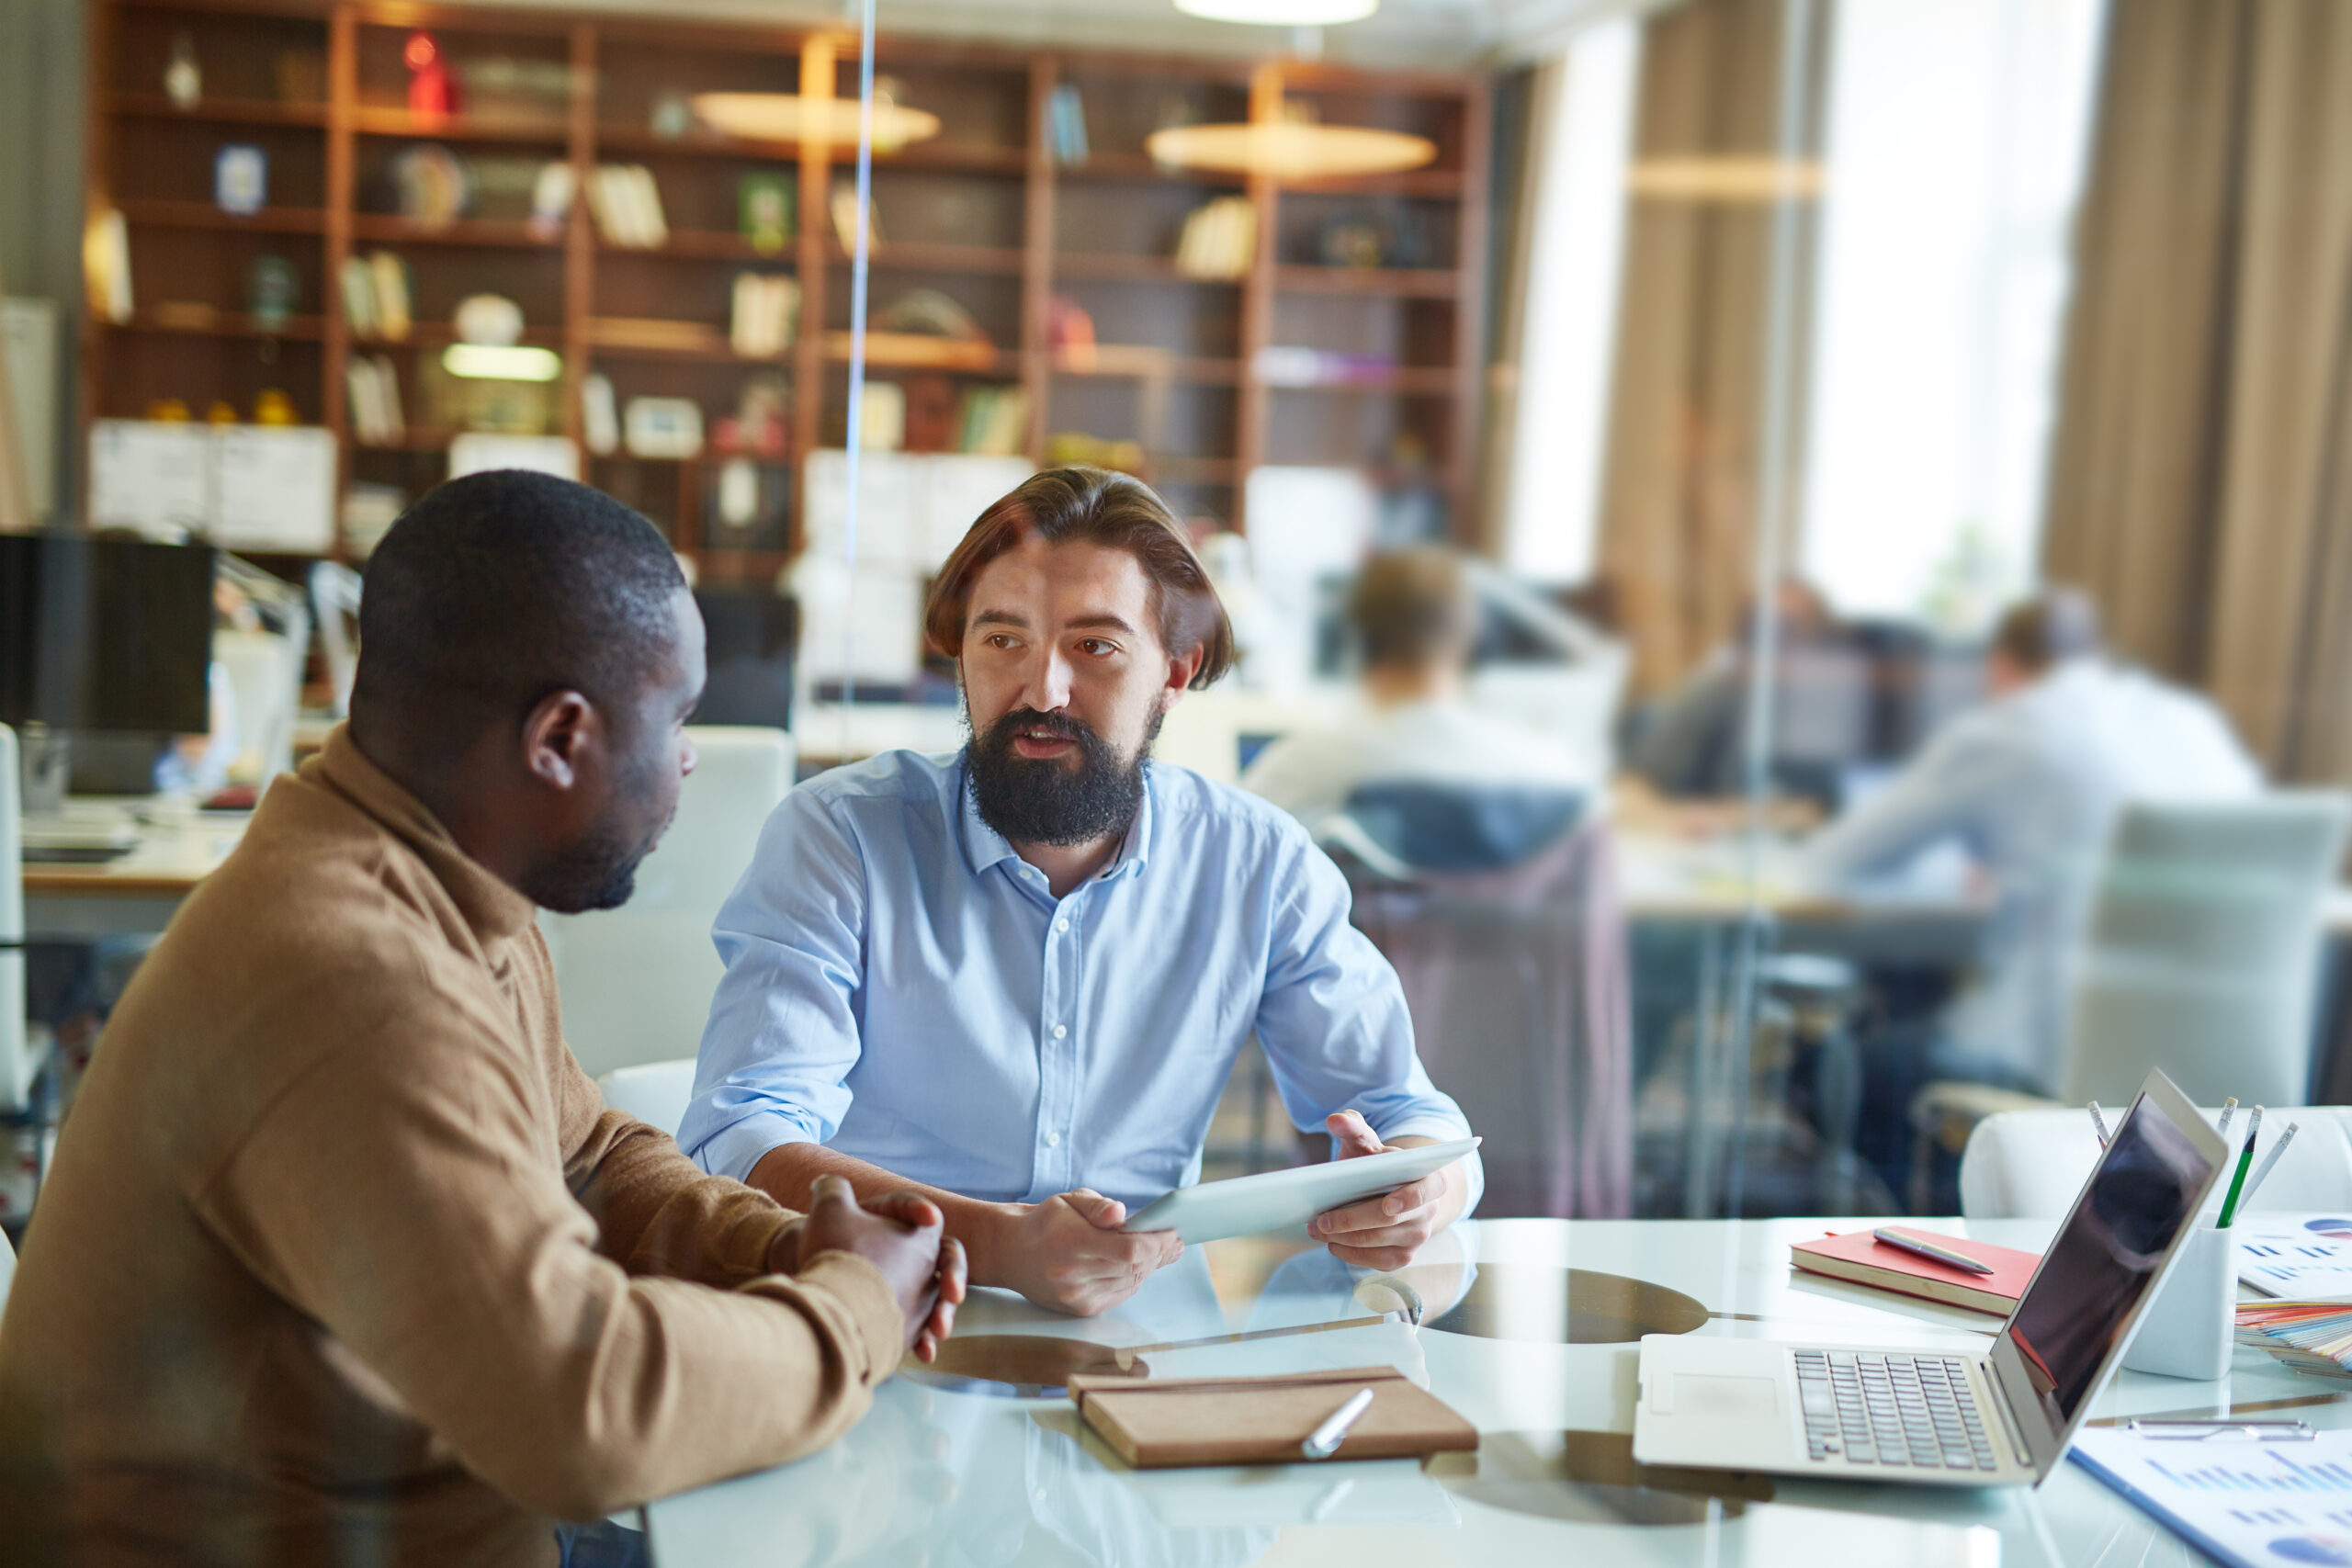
{"type": "Point", "coordinates": [344, 1260]}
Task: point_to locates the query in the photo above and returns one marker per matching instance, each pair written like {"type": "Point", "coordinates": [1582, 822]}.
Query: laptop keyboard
{"type": "Point", "coordinates": [1905, 1410]}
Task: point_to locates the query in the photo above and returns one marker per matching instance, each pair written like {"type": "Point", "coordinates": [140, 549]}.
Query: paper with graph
{"type": "Point", "coordinates": [2250, 1501]}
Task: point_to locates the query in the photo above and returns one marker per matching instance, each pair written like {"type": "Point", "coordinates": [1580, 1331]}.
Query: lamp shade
{"type": "Point", "coordinates": [1285, 150]}
{"type": "Point", "coordinates": [788, 117]}
{"type": "Point", "coordinates": [1281, 13]}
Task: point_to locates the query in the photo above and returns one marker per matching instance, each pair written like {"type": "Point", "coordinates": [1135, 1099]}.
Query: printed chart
{"type": "Point", "coordinates": [2257, 1504]}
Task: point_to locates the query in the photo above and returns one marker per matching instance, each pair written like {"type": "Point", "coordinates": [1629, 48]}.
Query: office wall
{"type": "Point", "coordinates": [40, 186]}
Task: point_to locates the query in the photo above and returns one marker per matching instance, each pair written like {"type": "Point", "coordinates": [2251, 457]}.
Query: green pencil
{"type": "Point", "coordinates": [2245, 1158]}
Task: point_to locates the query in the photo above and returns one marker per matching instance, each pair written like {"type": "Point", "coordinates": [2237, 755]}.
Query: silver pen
{"type": "Point", "coordinates": [1325, 1440]}
{"type": "Point", "coordinates": [1929, 1249]}
{"type": "Point", "coordinates": [2270, 1159]}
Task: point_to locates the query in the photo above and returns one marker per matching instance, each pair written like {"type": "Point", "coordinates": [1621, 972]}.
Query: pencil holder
{"type": "Point", "coordinates": [2189, 1330]}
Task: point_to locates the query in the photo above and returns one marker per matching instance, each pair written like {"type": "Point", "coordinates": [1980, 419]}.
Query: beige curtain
{"type": "Point", "coordinates": [2201, 478]}
{"type": "Point", "coordinates": [1687, 416]}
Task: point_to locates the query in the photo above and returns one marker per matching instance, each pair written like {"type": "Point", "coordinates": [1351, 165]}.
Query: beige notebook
{"type": "Point", "coordinates": [1181, 1421]}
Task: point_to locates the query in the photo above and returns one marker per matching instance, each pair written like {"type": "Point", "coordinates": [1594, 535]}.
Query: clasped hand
{"type": "Point", "coordinates": [900, 1234]}
{"type": "Point", "coordinates": [1068, 1253]}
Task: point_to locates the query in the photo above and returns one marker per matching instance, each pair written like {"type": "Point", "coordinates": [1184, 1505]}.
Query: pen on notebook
{"type": "Point", "coordinates": [2268, 1160]}
{"type": "Point", "coordinates": [2098, 1124]}
{"type": "Point", "coordinates": [1325, 1440]}
{"type": "Point", "coordinates": [2229, 1109]}
{"type": "Point", "coordinates": [1929, 1249]}
{"type": "Point", "coordinates": [2245, 1158]}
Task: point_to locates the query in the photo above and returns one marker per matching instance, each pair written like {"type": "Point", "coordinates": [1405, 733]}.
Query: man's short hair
{"type": "Point", "coordinates": [1414, 608]}
{"type": "Point", "coordinates": [499, 589]}
{"type": "Point", "coordinates": [1098, 507]}
{"type": "Point", "coordinates": [2049, 629]}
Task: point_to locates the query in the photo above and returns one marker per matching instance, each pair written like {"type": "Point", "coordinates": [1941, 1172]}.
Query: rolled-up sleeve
{"type": "Point", "coordinates": [784, 1026]}
{"type": "Point", "coordinates": [1332, 1019]}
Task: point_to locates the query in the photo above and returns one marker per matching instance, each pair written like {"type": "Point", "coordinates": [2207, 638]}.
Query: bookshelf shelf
{"type": "Point", "coordinates": [203, 321]}
{"type": "Point", "coordinates": [217, 111]}
{"type": "Point", "coordinates": [390, 229]}
{"type": "Point", "coordinates": [205, 215]}
{"type": "Point", "coordinates": [1015, 235]}
{"type": "Point", "coordinates": [460, 128]}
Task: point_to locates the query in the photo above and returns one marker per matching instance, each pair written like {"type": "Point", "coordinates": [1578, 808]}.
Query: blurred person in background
{"type": "Point", "coordinates": [1692, 743]}
{"type": "Point", "coordinates": [1416, 615]}
{"type": "Point", "coordinates": [2028, 786]}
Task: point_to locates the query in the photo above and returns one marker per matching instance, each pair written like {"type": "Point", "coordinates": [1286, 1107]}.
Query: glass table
{"type": "Point", "coordinates": [1528, 1327]}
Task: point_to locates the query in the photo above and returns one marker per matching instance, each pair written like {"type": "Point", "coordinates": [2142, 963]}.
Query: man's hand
{"type": "Point", "coordinates": [1068, 1253]}
{"type": "Point", "coordinates": [899, 1233]}
{"type": "Point", "coordinates": [1383, 1233]}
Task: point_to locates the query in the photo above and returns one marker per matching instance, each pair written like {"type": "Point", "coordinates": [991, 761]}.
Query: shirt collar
{"type": "Point", "coordinates": [495, 912]}
{"type": "Point", "coordinates": [985, 847]}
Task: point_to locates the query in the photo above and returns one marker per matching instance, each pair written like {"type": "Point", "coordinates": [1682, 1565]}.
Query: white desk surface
{"type": "Point", "coordinates": [940, 1476]}
{"type": "Point", "coordinates": [177, 848]}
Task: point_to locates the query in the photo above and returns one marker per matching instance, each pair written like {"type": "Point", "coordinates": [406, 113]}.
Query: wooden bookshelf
{"type": "Point", "coordinates": [984, 213]}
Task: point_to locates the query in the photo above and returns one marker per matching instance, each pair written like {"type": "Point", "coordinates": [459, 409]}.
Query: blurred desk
{"type": "Point", "coordinates": [137, 892]}
{"type": "Point", "coordinates": [1540, 1360]}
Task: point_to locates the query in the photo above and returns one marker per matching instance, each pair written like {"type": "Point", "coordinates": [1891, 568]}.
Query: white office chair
{"type": "Point", "coordinates": [2202, 956]}
{"type": "Point", "coordinates": [21, 1048]}
{"type": "Point", "coordinates": [7, 1266]}
{"type": "Point", "coordinates": [635, 982]}
{"type": "Point", "coordinates": [656, 1093]}
{"type": "Point", "coordinates": [2031, 1164]}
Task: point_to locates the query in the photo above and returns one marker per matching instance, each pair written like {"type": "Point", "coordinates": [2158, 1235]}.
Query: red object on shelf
{"type": "Point", "coordinates": [431, 93]}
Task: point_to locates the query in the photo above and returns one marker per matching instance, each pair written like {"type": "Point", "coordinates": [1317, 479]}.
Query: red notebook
{"type": "Point", "coordinates": [1866, 1260]}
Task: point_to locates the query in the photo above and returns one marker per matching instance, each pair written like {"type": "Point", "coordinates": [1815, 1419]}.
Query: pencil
{"type": "Point", "coordinates": [2245, 1158]}
{"type": "Point", "coordinates": [2098, 1124]}
{"type": "Point", "coordinates": [2229, 1109]}
{"type": "Point", "coordinates": [2270, 1159]}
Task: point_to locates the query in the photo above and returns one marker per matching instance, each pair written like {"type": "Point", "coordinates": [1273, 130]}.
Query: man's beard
{"type": "Point", "coordinates": [1045, 800]}
{"type": "Point", "coordinates": [598, 870]}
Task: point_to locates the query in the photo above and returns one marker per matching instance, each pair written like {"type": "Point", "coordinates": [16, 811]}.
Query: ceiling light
{"type": "Point", "coordinates": [1286, 150]}
{"type": "Point", "coordinates": [1732, 179]}
{"type": "Point", "coordinates": [501, 362]}
{"type": "Point", "coordinates": [1281, 13]}
{"type": "Point", "coordinates": [788, 117]}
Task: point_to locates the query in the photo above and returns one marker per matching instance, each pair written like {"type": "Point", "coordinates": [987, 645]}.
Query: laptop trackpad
{"type": "Point", "coordinates": [1715, 1396]}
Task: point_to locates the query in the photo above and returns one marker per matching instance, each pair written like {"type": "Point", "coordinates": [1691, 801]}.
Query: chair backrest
{"type": "Point", "coordinates": [1517, 983]}
{"type": "Point", "coordinates": [16, 1045]}
{"type": "Point", "coordinates": [635, 982]}
{"type": "Point", "coordinates": [2031, 1164]}
{"type": "Point", "coordinates": [2202, 950]}
{"type": "Point", "coordinates": [1460, 829]}
{"type": "Point", "coordinates": [334, 594]}
{"type": "Point", "coordinates": [656, 1093]}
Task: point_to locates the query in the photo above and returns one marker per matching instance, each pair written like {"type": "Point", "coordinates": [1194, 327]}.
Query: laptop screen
{"type": "Point", "coordinates": [2147, 1185]}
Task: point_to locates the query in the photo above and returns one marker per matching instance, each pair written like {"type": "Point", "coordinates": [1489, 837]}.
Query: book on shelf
{"type": "Point", "coordinates": [1066, 124]}
{"type": "Point", "coordinates": [766, 312]}
{"type": "Point", "coordinates": [106, 267]}
{"type": "Point", "coordinates": [1218, 239]}
{"type": "Point", "coordinates": [994, 421]}
{"type": "Point", "coordinates": [627, 205]}
{"type": "Point", "coordinates": [764, 211]}
{"type": "Point", "coordinates": [375, 396]}
{"type": "Point", "coordinates": [1861, 1258]}
{"type": "Point", "coordinates": [376, 297]}
{"type": "Point", "coordinates": [843, 206]}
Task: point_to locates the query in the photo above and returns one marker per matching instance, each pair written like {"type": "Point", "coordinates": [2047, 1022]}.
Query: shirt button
{"type": "Point", "coordinates": [1060, 1030]}
{"type": "Point", "coordinates": [1052, 1140]}
{"type": "Point", "coordinates": [1061, 925]}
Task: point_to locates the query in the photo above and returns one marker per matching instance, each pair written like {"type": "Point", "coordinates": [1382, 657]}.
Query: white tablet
{"type": "Point", "coordinates": [1280, 1199]}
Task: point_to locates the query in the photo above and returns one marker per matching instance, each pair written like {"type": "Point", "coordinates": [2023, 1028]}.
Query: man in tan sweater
{"type": "Point", "coordinates": [344, 1260]}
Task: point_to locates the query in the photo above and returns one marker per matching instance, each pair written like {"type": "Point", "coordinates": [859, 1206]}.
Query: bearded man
{"type": "Point", "coordinates": [1015, 977]}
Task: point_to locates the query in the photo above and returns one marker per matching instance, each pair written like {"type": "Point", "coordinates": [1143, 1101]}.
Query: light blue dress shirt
{"type": "Point", "coordinates": [902, 986]}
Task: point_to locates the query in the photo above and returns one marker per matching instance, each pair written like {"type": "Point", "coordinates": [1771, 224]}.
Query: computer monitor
{"type": "Point", "coordinates": [105, 633]}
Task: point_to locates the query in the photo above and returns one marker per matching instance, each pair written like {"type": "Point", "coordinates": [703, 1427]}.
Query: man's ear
{"type": "Point", "coordinates": [559, 736]}
{"type": "Point", "coordinates": [1180, 672]}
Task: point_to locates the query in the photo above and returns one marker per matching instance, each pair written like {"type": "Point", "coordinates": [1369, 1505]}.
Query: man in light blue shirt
{"type": "Point", "coordinates": [1017, 976]}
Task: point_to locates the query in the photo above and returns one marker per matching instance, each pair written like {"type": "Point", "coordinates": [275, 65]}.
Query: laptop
{"type": "Point", "coordinates": [1933, 1416]}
